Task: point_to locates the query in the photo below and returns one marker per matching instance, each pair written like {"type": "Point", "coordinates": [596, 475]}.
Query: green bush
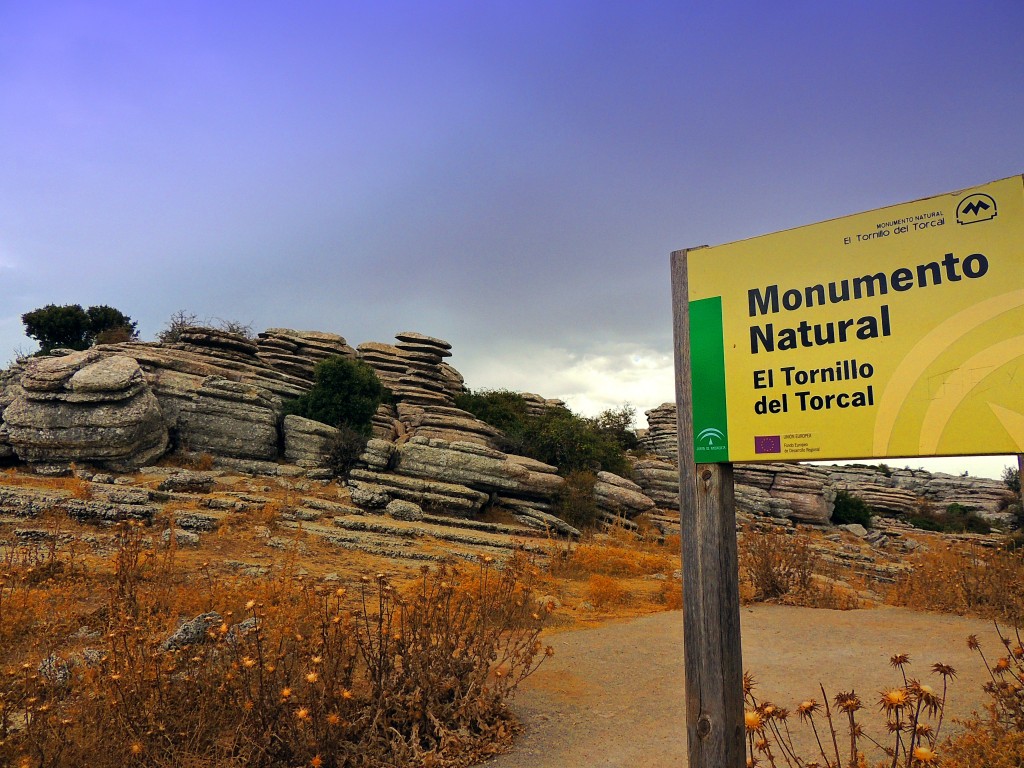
{"type": "Point", "coordinates": [72, 327]}
{"type": "Point", "coordinates": [851, 509]}
{"type": "Point", "coordinates": [1011, 477]}
{"type": "Point", "coordinates": [557, 436]}
{"type": "Point", "coordinates": [346, 393]}
{"type": "Point", "coordinates": [955, 519]}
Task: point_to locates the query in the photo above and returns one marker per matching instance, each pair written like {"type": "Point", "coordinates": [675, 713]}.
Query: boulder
{"type": "Point", "coordinates": [187, 481]}
{"type": "Point", "coordinates": [621, 497]}
{"type": "Point", "coordinates": [231, 419]}
{"type": "Point", "coordinates": [477, 467]}
{"type": "Point", "coordinates": [307, 442]}
{"type": "Point", "coordinates": [404, 510]}
{"type": "Point", "coordinates": [85, 406]}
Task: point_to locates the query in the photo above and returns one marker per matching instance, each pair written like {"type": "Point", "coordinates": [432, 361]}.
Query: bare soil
{"type": "Point", "coordinates": [613, 696]}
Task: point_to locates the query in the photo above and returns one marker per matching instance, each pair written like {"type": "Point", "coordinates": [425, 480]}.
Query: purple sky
{"type": "Point", "coordinates": [508, 176]}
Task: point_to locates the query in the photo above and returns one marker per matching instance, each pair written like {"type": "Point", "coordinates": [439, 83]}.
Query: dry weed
{"type": "Point", "coordinates": [288, 672]}
{"type": "Point", "coordinates": [912, 714]}
{"type": "Point", "coordinates": [964, 579]}
{"type": "Point", "coordinates": [605, 592]}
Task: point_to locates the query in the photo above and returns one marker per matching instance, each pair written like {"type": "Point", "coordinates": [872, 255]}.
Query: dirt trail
{"type": "Point", "coordinates": [612, 696]}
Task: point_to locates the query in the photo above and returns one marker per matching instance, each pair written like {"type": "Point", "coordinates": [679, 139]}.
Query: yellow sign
{"type": "Point", "coordinates": [897, 332]}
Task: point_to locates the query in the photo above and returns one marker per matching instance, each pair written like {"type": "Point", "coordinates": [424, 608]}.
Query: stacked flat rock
{"type": "Point", "coordinates": [760, 502]}
{"type": "Point", "coordinates": [218, 343]}
{"type": "Point", "coordinates": [10, 390]}
{"type": "Point", "coordinates": [371, 488]}
{"type": "Point", "coordinates": [873, 487]}
{"type": "Point", "coordinates": [447, 423]}
{"type": "Point", "coordinates": [385, 424]}
{"type": "Point", "coordinates": [901, 490]}
{"type": "Point", "coordinates": [618, 497]}
{"type": "Point", "coordinates": [454, 384]}
{"type": "Point", "coordinates": [307, 442]}
{"type": "Point", "coordinates": [85, 406]}
{"type": "Point", "coordinates": [199, 362]}
{"type": "Point", "coordinates": [808, 490]}
{"type": "Point", "coordinates": [661, 439]}
{"type": "Point", "coordinates": [478, 467]}
{"type": "Point", "coordinates": [410, 375]}
{"type": "Point", "coordinates": [659, 480]}
{"type": "Point", "coordinates": [537, 405]}
{"type": "Point", "coordinates": [230, 419]}
{"type": "Point", "coordinates": [298, 352]}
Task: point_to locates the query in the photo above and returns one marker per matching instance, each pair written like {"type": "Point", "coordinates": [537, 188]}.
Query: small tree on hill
{"type": "Point", "coordinates": [346, 393]}
{"type": "Point", "coordinates": [72, 327]}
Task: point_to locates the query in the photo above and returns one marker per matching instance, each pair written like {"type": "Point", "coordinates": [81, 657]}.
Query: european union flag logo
{"type": "Point", "coordinates": [768, 444]}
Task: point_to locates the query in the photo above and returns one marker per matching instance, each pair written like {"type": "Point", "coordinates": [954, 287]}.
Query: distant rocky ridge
{"type": "Point", "coordinates": [805, 492]}
{"type": "Point", "coordinates": [123, 406]}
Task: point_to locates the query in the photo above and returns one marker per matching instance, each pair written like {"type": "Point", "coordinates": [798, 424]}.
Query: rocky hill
{"type": "Point", "coordinates": [806, 492]}
{"type": "Point", "coordinates": [121, 407]}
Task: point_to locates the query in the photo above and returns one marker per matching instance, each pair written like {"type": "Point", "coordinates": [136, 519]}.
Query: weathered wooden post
{"type": "Point", "coordinates": [711, 609]}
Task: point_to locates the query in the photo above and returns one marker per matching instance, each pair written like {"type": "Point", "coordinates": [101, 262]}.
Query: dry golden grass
{"type": "Point", "coordinates": [385, 671]}
{"type": "Point", "coordinates": [964, 579]}
{"type": "Point", "coordinates": [783, 568]}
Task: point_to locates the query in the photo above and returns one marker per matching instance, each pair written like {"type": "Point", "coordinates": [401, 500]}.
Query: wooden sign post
{"type": "Point", "coordinates": [711, 603]}
{"type": "Point", "coordinates": [889, 333]}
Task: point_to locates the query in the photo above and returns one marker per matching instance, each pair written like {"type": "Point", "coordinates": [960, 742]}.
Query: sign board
{"type": "Point", "coordinates": [897, 332]}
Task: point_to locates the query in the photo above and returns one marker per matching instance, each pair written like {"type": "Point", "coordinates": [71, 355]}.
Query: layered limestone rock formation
{"type": "Point", "coordinates": [806, 493]}
{"type": "Point", "coordinates": [797, 491]}
{"type": "Point", "coordinates": [85, 406]}
{"type": "Point", "coordinates": [424, 388]}
{"type": "Point", "coordinates": [124, 405]}
{"type": "Point", "coordinates": [307, 443]}
{"type": "Point", "coordinates": [296, 353]}
{"type": "Point", "coordinates": [904, 490]}
{"type": "Point", "coordinates": [659, 479]}
{"type": "Point", "coordinates": [660, 438]}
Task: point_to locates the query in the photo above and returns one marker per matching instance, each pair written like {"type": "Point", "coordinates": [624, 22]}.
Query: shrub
{"type": "Point", "coordinates": [575, 502]}
{"type": "Point", "coordinates": [557, 436]}
{"type": "Point", "coordinates": [604, 591]}
{"type": "Point", "coordinates": [776, 564]}
{"type": "Point", "coordinates": [182, 320]}
{"type": "Point", "coordinates": [851, 509]}
{"type": "Point", "coordinates": [964, 580]}
{"type": "Point", "coordinates": [345, 449]}
{"type": "Point", "coordinates": [1011, 477]}
{"type": "Point", "coordinates": [955, 519]}
{"type": "Point", "coordinates": [289, 672]}
{"type": "Point", "coordinates": [72, 327]}
{"type": "Point", "coordinates": [347, 392]}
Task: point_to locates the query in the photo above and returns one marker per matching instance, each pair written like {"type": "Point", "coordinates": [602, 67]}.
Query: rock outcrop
{"type": "Point", "coordinates": [231, 419]}
{"type": "Point", "coordinates": [307, 442]}
{"type": "Point", "coordinates": [659, 479]}
{"type": "Point", "coordinates": [86, 406]}
{"type": "Point", "coordinates": [296, 353]}
{"type": "Point", "coordinates": [806, 492]}
{"type": "Point", "coordinates": [660, 437]}
{"type": "Point", "coordinates": [618, 497]}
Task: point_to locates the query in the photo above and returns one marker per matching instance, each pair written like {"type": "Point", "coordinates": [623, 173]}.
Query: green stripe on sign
{"type": "Point", "coordinates": [707, 358]}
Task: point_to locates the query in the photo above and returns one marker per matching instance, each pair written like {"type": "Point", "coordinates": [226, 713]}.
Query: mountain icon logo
{"type": "Point", "coordinates": [711, 437]}
{"type": "Point", "coordinates": [975, 208]}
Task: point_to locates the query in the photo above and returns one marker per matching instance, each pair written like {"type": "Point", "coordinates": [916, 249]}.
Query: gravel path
{"type": "Point", "coordinates": [612, 696]}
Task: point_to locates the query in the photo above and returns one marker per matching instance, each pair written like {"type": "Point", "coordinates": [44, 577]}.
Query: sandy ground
{"type": "Point", "coordinates": [612, 696]}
